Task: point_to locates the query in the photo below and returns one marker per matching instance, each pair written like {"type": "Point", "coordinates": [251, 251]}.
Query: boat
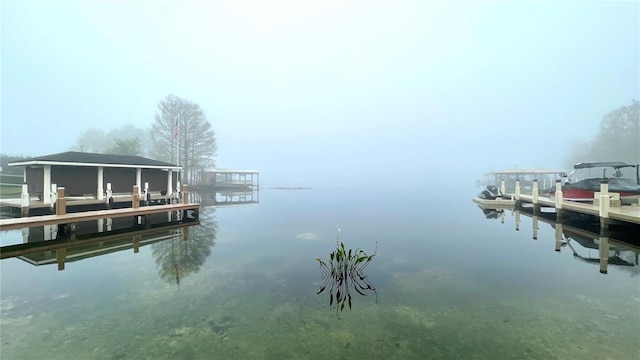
{"type": "Point", "coordinates": [585, 179]}
{"type": "Point", "coordinates": [491, 192]}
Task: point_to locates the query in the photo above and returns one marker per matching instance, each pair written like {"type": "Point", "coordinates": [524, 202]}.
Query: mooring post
{"type": "Point", "coordinates": [135, 201]}
{"type": "Point", "coordinates": [559, 232]}
{"type": "Point", "coordinates": [185, 194]}
{"type": "Point", "coordinates": [517, 189]}
{"type": "Point", "coordinates": [24, 200]}
{"type": "Point", "coordinates": [605, 203]}
{"type": "Point", "coordinates": [503, 187]}
{"type": "Point", "coordinates": [61, 203]}
{"type": "Point", "coordinates": [534, 192]}
{"type": "Point", "coordinates": [559, 195]}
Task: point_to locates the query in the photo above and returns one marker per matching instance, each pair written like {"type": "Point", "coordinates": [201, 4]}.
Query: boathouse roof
{"type": "Point", "coordinates": [76, 158]}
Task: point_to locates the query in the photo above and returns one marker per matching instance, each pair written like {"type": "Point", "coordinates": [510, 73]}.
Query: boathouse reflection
{"type": "Point", "coordinates": [180, 248]}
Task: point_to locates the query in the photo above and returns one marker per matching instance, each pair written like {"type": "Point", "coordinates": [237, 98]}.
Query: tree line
{"type": "Point", "coordinates": [618, 138]}
{"type": "Point", "coordinates": [180, 134]}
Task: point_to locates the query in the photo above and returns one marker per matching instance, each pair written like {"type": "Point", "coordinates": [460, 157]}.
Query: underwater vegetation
{"type": "Point", "coordinates": [343, 272]}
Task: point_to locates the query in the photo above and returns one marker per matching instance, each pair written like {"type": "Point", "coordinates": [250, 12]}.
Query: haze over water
{"type": "Point", "coordinates": [388, 112]}
{"type": "Point", "coordinates": [450, 284]}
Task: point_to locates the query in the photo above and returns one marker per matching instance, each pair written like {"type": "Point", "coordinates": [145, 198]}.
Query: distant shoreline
{"type": "Point", "coordinates": [290, 188]}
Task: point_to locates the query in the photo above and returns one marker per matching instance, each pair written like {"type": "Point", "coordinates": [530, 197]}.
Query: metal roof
{"type": "Point", "coordinates": [614, 164]}
{"type": "Point", "coordinates": [76, 158]}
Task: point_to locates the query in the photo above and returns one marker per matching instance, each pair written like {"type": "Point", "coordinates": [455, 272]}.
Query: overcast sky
{"type": "Point", "coordinates": [339, 89]}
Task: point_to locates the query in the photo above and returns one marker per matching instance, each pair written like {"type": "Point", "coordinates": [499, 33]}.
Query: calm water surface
{"type": "Point", "coordinates": [450, 283]}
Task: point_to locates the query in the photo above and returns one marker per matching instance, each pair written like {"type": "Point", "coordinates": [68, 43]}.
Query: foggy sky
{"type": "Point", "coordinates": [338, 90]}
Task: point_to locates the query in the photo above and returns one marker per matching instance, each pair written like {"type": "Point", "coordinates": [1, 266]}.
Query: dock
{"type": "Point", "coordinates": [605, 206]}
{"type": "Point", "coordinates": [31, 221]}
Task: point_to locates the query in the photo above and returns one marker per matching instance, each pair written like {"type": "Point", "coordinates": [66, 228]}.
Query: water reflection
{"type": "Point", "coordinates": [618, 246]}
{"type": "Point", "coordinates": [185, 254]}
{"type": "Point", "coordinates": [227, 197]}
{"type": "Point", "coordinates": [179, 246]}
{"type": "Point", "coordinates": [343, 272]}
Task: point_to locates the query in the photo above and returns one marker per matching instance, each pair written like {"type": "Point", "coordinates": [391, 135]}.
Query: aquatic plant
{"type": "Point", "coordinates": [343, 272]}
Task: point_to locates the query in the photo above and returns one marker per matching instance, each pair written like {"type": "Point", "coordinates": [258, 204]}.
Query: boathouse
{"type": "Point", "coordinates": [90, 175]}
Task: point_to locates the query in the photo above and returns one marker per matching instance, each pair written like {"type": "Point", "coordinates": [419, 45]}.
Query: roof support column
{"type": "Point", "coordinates": [138, 178]}
{"type": "Point", "coordinates": [100, 190]}
{"type": "Point", "coordinates": [46, 192]}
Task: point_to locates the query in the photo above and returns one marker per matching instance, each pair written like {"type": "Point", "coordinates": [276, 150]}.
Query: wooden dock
{"type": "Point", "coordinates": [606, 205]}
{"type": "Point", "coordinates": [31, 221]}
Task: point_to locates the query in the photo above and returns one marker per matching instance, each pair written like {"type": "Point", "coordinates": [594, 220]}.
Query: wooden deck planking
{"type": "Point", "coordinates": [23, 222]}
{"type": "Point", "coordinates": [622, 213]}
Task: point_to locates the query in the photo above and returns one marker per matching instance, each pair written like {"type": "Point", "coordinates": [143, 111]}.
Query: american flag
{"type": "Point", "coordinates": [175, 132]}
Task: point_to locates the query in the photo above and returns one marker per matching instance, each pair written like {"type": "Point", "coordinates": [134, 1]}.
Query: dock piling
{"type": "Point", "coordinates": [135, 201]}
{"type": "Point", "coordinates": [61, 203]}
{"type": "Point", "coordinates": [185, 194]}
{"type": "Point", "coordinates": [559, 198]}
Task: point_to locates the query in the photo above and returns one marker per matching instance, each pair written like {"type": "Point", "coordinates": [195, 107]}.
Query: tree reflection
{"type": "Point", "coordinates": [188, 249]}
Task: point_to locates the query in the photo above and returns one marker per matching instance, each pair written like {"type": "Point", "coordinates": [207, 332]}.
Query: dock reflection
{"type": "Point", "coordinates": [617, 246]}
{"type": "Point", "coordinates": [180, 246]}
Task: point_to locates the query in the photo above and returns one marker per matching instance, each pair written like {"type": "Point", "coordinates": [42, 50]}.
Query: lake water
{"type": "Point", "coordinates": [450, 284]}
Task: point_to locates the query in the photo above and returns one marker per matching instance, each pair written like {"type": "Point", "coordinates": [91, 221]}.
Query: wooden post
{"type": "Point", "coordinates": [534, 192]}
{"type": "Point", "coordinates": [603, 210]}
{"type": "Point", "coordinates": [135, 201]}
{"type": "Point", "coordinates": [517, 189]}
{"type": "Point", "coordinates": [559, 198]}
{"type": "Point", "coordinates": [185, 194]}
{"type": "Point", "coordinates": [61, 203]}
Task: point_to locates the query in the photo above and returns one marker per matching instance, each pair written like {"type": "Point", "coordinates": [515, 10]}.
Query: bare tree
{"type": "Point", "coordinates": [182, 134]}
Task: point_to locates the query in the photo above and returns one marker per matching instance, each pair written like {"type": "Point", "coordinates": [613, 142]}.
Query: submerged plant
{"type": "Point", "coordinates": [345, 271]}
